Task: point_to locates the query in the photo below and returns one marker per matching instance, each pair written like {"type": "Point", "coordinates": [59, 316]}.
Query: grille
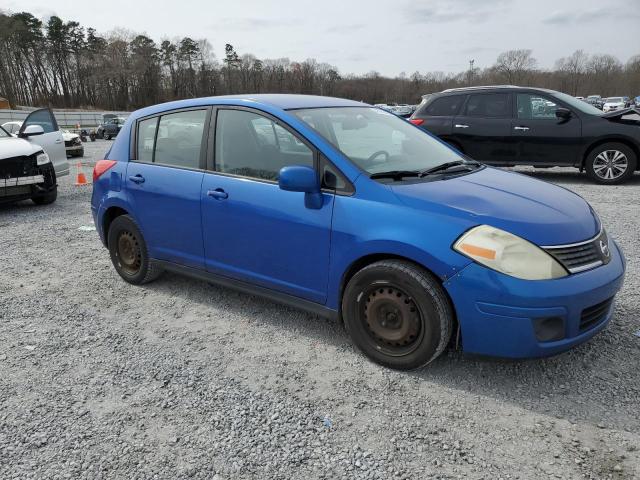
{"type": "Point", "coordinates": [17, 166]}
{"type": "Point", "coordinates": [68, 143]}
{"type": "Point", "coordinates": [594, 315]}
{"type": "Point", "coordinates": [582, 256]}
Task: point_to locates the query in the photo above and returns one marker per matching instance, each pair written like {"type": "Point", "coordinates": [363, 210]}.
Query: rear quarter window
{"type": "Point", "coordinates": [444, 106]}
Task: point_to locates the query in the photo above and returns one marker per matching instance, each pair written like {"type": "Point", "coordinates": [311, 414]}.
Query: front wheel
{"type": "Point", "coordinates": [128, 252]}
{"type": "Point", "coordinates": [106, 136]}
{"type": "Point", "coordinates": [397, 314]}
{"type": "Point", "coordinates": [46, 199]}
{"type": "Point", "coordinates": [611, 163]}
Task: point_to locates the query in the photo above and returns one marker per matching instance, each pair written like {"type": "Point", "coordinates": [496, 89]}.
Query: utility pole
{"type": "Point", "coordinates": [471, 62]}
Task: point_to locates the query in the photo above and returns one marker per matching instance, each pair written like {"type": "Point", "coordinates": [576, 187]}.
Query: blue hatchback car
{"type": "Point", "coordinates": [348, 211]}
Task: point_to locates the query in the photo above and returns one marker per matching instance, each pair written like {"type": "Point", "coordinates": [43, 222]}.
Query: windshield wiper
{"type": "Point", "coordinates": [396, 174]}
{"type": "Point", "coordinates": [445, 166]}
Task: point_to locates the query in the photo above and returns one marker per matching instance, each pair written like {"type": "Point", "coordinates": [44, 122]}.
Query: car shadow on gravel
{"type": "Point", "coordinates": [594, 382]}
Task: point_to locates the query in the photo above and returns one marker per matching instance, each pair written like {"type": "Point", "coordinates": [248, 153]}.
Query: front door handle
{"type": "Point", "coordinates": [218, 194]}
{"type": "Point", "coordinates": [458, 125]}
{"type": "Point", "coordinates": [524, 129]}
{"type": "Point", "coordinates": [137, 178]}
{"type": "Point", "coordinates": [58, 141]}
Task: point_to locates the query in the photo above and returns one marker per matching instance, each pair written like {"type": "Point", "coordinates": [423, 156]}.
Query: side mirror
{"type": "Point", "coordinates": [300, 178]}
{"type": "Point", "coordinates": [563, 113]}
{"type": "Point", "coordinates": [32, 130]}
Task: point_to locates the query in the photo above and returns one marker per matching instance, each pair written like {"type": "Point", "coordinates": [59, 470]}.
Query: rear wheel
{"type": "Point", "coordinates": [129, 253]}
{"type": "Point", "coordinates": [611, 163]}
{"type": "Point", "coordinates": [397, 314]}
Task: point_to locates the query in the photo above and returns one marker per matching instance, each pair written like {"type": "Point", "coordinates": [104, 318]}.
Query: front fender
{"type": "Point", "coordinates": [363, 228]}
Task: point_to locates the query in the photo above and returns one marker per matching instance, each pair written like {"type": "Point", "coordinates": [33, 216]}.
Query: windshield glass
{"type": "Point", "coordinates": [578, 104]}
{"type": "Point", "coordinates": [614, 99]}
{"type": "Point", "coordinates": [377, 141]}
{"type": "Point", "coordinates": [3, 133]}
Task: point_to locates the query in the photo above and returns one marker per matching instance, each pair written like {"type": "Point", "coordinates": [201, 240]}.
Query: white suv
{"type": "Point", "coordinates": [27, 166]}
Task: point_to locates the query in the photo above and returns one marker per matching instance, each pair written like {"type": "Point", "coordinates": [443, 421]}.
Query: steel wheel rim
{"type": "Point", "coordinates": [610, 164]}
{"type": "Point", "coordinates": [128, 253]}
{"type": "Point", "coordinates": [392, 320]}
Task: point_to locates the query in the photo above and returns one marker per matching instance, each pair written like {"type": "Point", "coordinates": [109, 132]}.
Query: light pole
{"type": "Point", "coordinates": [471, 62]}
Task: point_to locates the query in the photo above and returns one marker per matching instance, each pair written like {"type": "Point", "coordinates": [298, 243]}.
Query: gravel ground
{"type": "Point", "coordinates": [182, 379]}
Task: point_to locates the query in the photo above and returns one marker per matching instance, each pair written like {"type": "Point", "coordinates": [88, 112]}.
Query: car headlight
{"type": "Point", "coordinates": [42, 158]}
{"type": "Point", "coordinates": [508, 254]}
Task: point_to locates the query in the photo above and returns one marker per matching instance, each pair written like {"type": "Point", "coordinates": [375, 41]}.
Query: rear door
{"type": "Point", "coordinates": [483, 128]}
{"type": "Point", "coordinates": [541, 137]}
{"type": "Point", "coordinates": [51, 141]}
{"type": "Point", "coordinates": [163, 183]}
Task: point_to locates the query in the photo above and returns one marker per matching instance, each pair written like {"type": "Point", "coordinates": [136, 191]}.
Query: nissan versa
{"type": "Point", "coordinates": [348, 211]}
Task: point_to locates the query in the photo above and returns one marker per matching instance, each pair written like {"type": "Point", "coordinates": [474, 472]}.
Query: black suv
{"type": "Point", "coordinates": [509, 125]}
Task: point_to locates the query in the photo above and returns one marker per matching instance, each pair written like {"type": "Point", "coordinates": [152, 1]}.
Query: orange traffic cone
{"type": "Point", "coordinates": [80, 178]}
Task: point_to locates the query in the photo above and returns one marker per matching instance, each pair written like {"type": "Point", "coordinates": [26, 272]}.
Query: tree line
{"type": "Point", "coordinates": [65, 65]}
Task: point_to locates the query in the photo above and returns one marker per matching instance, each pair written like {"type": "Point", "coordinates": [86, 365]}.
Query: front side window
{"type": "Point", "coordinates": [535, 107]}
{"type": "Point", "coordinates": [177, 142]}
{"type": "Point", "coordinates": [44, 118]}
{"type": "Point", "coordinates": [488, 105]}
{"type": "Point", "coordinates": [254, 146]}
{"type": "Point", "coordinates": [377, 141]}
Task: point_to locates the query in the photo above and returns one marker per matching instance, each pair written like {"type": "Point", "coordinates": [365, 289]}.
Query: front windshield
{"type": "Point", "coordinates": [377, 141]}
{"type": "Point", "coordinates": [3, 133]}
{"type": "Point", "coordinates": [614, 99]}
{"type": "Point", "coordinates": [578, 104]}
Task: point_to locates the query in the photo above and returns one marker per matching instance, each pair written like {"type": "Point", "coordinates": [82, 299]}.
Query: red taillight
{"type": "Point", "coordinates": [101, 167]}
{"type": "Point", "coordinates": [417, 121]}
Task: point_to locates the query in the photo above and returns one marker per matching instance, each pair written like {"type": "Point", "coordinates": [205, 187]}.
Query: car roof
{"type": "Point", "coordinates": [495, 87]}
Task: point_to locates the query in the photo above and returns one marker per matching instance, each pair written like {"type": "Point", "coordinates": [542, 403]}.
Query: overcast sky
{"type": "Point", "coordinates": [357, 36]}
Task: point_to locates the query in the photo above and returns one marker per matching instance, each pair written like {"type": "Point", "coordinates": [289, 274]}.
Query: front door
{"type": "Point", "coordinates": [254, 231]}
{"type": "Point", "coordinates": [163, 184]}
{"type": "Point", "coordinates": [483, 128]}
{"type": "Point", "coordinates": [541, 137]}
{"type": "Point", "coordinates": [51, 140]}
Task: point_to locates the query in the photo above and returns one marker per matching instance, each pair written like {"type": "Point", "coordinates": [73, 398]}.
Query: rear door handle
{"type": "Point", "coordinates": [218, 194]}
{"type": "Point", "coordinates": [458, 125]}
{"type": "Point", "coordinates": [524, 129]}
{"type": "Point", "coordinates": [137, 178]}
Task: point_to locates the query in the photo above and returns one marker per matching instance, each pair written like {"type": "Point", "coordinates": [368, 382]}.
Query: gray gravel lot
{"type": "Point", "coordinates": [182, 379]}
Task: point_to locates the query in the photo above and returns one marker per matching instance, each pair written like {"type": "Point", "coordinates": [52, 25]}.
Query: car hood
{"type": "Point", "coordinates": [621, 113]}
{"type": "Point", "coordinates": [540, 212]}
{"type": "Point", "coordinates": [69, 136]}
{"type": "Point", "coordinates": [15, 147]}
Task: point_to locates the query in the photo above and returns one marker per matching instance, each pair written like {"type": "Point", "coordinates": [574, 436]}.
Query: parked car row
{"type": "Point", "coordinates": [611, 103]}
{"type": "Point", "coordinates": [72, 143]}
{"type": "Point", "coordinates": [509, 125]}
{"type": "Point", "coordinates": [401, 109]}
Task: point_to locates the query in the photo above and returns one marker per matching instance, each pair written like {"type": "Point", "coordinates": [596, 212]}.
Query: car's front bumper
{"type": "Point", "coordinates": [75, 150]}
{"type": "Point", "coordinates": [497, 313]}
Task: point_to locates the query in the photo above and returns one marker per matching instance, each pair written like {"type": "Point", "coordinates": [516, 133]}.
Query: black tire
{"type": "Point", "coordinates": [47, 198]}
{"type": "Point", "coordinates": [129, 253]}
{"type": "Point", "coordinates": [603, 155]}
{"type": "Point", "coordinates": [106, 136]}
{"type": "Point", "coordinates": [398, 314]}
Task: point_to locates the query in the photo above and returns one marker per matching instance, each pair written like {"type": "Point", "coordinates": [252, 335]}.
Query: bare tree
{"type": "Point", "coordinates": [515, 66]}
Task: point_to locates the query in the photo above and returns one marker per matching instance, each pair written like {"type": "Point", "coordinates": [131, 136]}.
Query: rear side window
{"type": "Point", "coordinates": [177, 141]}
{"type": "Point", "coordinates": [444, 106]}
{"type": "Point", "coordinates": [253, 146]}
{"type": "Point", "coordinates": [489, 105]}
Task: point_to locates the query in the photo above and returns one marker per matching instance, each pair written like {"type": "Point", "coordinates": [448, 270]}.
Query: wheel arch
{"type": "Point", "coordinates": [600, 141]}
{"type": "Point", "coordinates": [108, 217]}
{"type": "Point", "coordinates": [368, 259]}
